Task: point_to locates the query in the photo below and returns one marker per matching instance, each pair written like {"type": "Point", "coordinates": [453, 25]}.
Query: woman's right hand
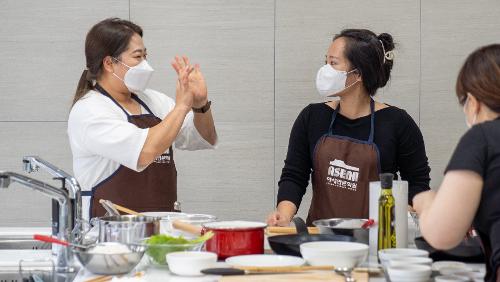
{"type": "Point", "coordinates": [183, 96]}
{"type": "Point", "coordinates": [277, 218]}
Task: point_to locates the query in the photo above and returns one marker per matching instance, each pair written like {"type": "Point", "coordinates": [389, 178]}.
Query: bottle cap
{"type": "Point", "coordinates": [386, 180]}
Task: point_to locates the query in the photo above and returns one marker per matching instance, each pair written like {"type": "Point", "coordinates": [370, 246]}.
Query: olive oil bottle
{"type": "Point", "coordinates": [386, 214]}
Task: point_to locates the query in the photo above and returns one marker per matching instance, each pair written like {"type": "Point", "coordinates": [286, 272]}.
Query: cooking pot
{"type": "Point", "coordinates": [127, 228]}
{"type": "Point", "coordinates": [234, 238]}
{"type": "Point", "coordinates": [231, 238]}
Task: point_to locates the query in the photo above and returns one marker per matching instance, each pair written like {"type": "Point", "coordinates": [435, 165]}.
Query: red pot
{"type": "Point", "coordinates": [234, 238]}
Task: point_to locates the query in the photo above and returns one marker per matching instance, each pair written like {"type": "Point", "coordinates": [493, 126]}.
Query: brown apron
{"type": "Point", "coordinates": [342, 170]}
{"type": "Point", "coordinates": [153, 189]}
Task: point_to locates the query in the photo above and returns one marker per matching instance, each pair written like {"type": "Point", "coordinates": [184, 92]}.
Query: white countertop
{"type": "Point", "coordinates": [10, 259]}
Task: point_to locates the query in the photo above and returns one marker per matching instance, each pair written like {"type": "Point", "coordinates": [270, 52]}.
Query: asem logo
{"type": "Point", "coordinates": [342, 175]}
{"type": "Point", "coordinates": [339, 169]}
{"type": "Point", "coordinates": [162, 159]}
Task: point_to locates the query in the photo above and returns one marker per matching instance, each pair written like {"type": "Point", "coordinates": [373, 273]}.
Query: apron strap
{"type": "Point", "coordinates": [135, 97]}
{"type": "Point", "coordinates": [334, 116]}
{"type": "Point", "coordinates": [86, 193]}
{"type": "Point", "coordinates": [372, 120]}
{"type": "Point", "coordinates": [105, 93]}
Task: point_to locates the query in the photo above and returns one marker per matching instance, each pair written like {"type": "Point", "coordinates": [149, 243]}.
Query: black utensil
{"type": "Point", "coordinates": [290, 244]}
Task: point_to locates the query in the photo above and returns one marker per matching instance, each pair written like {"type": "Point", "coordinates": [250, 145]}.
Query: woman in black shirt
{"type": "Point", "coordinates": [345, 144]}
{"type": "Point", "coordinates": [470, 191]}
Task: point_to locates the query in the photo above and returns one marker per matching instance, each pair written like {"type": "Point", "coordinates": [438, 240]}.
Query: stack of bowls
{"type": "Point", "coordinates": [408, 265]}
{"type": "Point", "coordinates": [456, 271]}
{"type": "Point", "coordinates": [410, 273]}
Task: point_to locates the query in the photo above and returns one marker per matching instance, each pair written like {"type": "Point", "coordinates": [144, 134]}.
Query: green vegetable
{"type": "Point", "coordinates": [160, 245]}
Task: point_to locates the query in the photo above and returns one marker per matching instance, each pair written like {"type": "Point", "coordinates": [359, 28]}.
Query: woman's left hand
{"type": "Point", "coordinates": [197, 84]}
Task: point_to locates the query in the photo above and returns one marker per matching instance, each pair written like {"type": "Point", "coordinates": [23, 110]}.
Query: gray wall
{"type": "Point", "coordinates": [260, 60]}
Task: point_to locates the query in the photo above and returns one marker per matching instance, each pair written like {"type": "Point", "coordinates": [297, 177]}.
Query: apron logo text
{"type": "Point", "coordinates": [342, 175]}
{"type": "Point", "coordinates": [162, 159]}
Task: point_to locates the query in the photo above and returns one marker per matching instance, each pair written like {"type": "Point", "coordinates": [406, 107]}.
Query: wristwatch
{"type": "Point", "coordinates": [203, 109]}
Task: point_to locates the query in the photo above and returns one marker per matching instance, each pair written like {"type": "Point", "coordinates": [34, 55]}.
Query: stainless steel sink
{"type": "Point", "coordinates": [46, 276]}
{"type": "Point", "coordinates": [10, 276]}
{"type": "Point", "coordinates": [23, 244]}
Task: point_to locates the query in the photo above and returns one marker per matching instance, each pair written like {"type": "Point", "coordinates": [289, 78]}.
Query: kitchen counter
{"type": "Point", "coordinates": [155, 274]}
{"type": "Point", "coordinates": [9, 259]}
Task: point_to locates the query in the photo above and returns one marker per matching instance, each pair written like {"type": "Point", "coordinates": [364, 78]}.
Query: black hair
{"type": "Point", "coordinates": [366, 53]}
{"type": "Point", "coordinates": [109, 37]}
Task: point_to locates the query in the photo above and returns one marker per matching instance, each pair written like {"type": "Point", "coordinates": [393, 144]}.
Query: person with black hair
{"type": "Point", "coordinates": [121, 132]}
{"type": "Point", "coordinates": [344, 144]}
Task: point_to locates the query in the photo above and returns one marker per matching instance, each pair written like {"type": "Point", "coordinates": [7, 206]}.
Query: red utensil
{"type": "Point", "coordinates": [369, 223]}
{"type": "Point", "coordinates": [49, 239]}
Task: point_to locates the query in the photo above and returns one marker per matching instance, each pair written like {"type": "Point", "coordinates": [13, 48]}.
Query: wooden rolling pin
{"type": "Point", "coordinates": [281, 269]}
{"type": "Point", "coordinates": [186, 227]}
{"type": "Point", "coordinates": [125, 210]}
{"type": "Point", "coordinates": [290, 230]}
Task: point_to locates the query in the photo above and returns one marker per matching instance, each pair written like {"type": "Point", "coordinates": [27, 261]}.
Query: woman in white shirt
{"type": "Point", "coordinates": [121, 133]}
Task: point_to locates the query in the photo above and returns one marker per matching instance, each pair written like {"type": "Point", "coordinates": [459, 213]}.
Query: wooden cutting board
{"type": "Point", "coordinates": [278, 230]}
{"type": "Point", "coordinates": [310, 276]}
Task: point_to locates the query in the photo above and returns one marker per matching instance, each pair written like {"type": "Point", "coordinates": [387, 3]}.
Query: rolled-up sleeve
{"type": "Point", "coordinates": [190, 139]}
{"type": "Point", "coordinates": [114, 138]}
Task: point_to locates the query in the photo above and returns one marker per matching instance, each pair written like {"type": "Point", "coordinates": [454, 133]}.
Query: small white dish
{"type": "Point", "coordinates": [450, 278]}
{"type": "Point", "coordinates": [445, 264]}
{"type": "Point", "coordinates": [265, 260]}
{"type": "Point", "coordinates": [338, 254]}
{"type": "Point", "coordinates": [473, 275]}
{"type": "Point", "coordinates": [190, 263]}
{"type": "Point", "coordinates": [410, 261]}
{"type": "Point", "coordinates": [409, 272]}
{"type": "Point", "coordinates": [402, 252]}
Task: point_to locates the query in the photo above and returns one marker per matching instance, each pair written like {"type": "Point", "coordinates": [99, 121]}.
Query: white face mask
{"type": "Point", "coordinates": [330, 81]}
{"type": "Point", "coordinates": [469, 125]}
{"type": "Point", "coordinates": [137, 77]}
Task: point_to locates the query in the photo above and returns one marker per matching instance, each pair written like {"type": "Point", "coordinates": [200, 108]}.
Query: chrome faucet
{"type": "Point", "coordinates": [34, 163]}
{"type": "Point", "coordinates": [64, 256]}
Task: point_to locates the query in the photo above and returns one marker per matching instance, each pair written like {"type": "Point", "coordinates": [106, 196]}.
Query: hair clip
{"type": "Point", "coordinates": [389, 55]}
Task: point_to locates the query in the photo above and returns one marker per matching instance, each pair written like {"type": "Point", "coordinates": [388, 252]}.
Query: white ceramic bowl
{"type": "Point", "coordinates": [413, 272]}
{"type": "Point", "coordinates": [453, 270]}
{"type": "Point", "coordinates": [410, 261]}
{"type": "Point", "coordinates": [386, 255]}
{"type": "Point", "coordinates": [338, 254]}
{"type": "Point", "coordinates": [473, 275]}
{"type": "Point", "coordinates": [190, 263]}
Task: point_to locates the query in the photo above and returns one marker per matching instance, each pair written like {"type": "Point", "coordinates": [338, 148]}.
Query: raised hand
{"type": "Point", "coordinates": [183, 93]}
{"type": "Point", "coordinates": [197, 84]}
